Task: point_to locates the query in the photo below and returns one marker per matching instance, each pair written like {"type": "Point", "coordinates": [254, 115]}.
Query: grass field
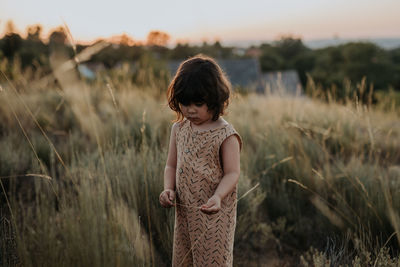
{"type": "Point", "coordinates": [82, 163]}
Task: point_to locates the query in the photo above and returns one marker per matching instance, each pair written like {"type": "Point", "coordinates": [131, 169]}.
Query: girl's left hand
{"type": "Point", "coordinates": [212, 206]}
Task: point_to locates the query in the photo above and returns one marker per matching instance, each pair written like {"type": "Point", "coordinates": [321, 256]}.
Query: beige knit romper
{"type": "Point", "coordinates": [201, 239]}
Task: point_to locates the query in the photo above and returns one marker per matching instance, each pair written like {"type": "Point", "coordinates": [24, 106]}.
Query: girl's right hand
{"type": "Point", "coordinates": [167, 197]}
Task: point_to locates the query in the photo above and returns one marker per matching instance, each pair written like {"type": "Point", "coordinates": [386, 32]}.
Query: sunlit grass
{"type": "Point", "coordinates": [326, 170]}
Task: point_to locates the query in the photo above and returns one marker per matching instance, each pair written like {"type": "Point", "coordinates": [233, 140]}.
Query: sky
{"type": "Point", "coordinates": [209, 20]}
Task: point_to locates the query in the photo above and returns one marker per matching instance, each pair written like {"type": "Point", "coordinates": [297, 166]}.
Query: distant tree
{"type": "Point", "coordinates": [395, 55]}
{"type": "Point", "coordinates": [289, 47]}
{"type": "Point", "coordinates": [157, 38]}
{"type": "Point", "coordinates": [10, 28]}
{"type": "Point", "coordinates": [114, 54]}
{"type": "Point", "coordinates": [222, 52]}
{"type": "Point", "coordinates": [57, 46]}
{"type": "Point", "coordinates": [328, 67]}
{"type": "Point", "coordinates": [58, 36]}
{"type": "Point", "coordinates": [367, 59]}
{"type": "Point", "coordinates": [207, 49]}
{"type": "Point", "coordinates": [109, 56]}
{"type": "Point", "coordinates": [12, 41]}
{"type": "Point", "coordinates": [217, 45]}
{"type": "Point", "coordinates": [270, 59]}
{"type": "Point", "coordinates": [33, 51]}
{"type": "Point", "coordinates": [126, 40]}
{"type": "Point", "coordinates": [304, 63]}
{"type": "Point", "coordinates": [11, 44]}
{"type": "Point", "coordinates": [182, 51]}
{"type": "Point", "coordinates": [287, 53]}
{"type": "Point", "coordinates": [123, 39]}
{"type": "Point", "coordinates": [353, 62]}
{"type": "Point", "coordinates": [395, 58]}
{"type": "Point", "coordinates": [215, 50]}
{"type": "Point", "coordinates": [34, 32]}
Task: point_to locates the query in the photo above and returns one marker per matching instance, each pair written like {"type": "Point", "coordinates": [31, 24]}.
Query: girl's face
{"type": "Point", "coordinates": [197, 113]}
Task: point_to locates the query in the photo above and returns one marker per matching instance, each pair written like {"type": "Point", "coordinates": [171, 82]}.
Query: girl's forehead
{"type": "Point", "coordinates": [193, 102]}
{"type": "Point", "coordinates": [197, 103]}
{"type": "Point", "coordinates": [190, 96]}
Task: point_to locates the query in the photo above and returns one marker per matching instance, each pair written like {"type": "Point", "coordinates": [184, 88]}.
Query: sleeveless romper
{"type": "Point", "coordinates": [202, 239]}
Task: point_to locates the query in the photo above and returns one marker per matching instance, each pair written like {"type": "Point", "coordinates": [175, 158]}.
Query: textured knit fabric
{"type": "Point", "coordinates": [202, 239]}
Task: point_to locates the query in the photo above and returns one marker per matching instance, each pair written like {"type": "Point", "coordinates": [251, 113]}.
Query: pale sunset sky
{"type": "Point", "coordinates": [210, 20]}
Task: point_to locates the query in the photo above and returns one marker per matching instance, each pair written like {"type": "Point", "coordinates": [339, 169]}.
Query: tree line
{"type": "Point", "coordinates": [329, 66]}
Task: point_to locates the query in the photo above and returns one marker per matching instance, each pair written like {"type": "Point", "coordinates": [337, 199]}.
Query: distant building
{"type": "Point", "coordinates": [239, 51]}
{"type": "Point", "coordinates": [253, 52]}
{"type": "Point", "coordinates": [284, 83]}
{"type": "Point", "coordinates": [243, 73]}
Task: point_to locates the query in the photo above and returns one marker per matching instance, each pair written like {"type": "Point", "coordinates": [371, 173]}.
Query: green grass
{"type": "Point", "coordinates": [327, 171]}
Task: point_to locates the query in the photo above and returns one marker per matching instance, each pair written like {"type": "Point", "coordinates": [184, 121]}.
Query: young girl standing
{"type": "Point", "coordinates": [203, 166]}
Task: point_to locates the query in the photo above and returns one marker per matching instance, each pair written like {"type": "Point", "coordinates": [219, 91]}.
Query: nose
{"type": "Point", "coordinates": [191, 109]}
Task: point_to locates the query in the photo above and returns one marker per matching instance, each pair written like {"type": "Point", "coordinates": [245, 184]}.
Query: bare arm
{"type": "Point", "coordinates": [170, 167]}
{"type": "Point", "coordinates": [230, 151]}
{"type": "Point", "coordinates": [168, 195]}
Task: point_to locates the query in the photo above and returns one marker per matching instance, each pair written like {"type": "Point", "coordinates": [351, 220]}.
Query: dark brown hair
{"type": "Point", "coordinates": [199, 80]}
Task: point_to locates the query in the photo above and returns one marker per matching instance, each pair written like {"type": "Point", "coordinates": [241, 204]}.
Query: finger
{"type": "Point", "coordinates": [212, 209]}
{"type": "Point", "coordinates": [205, 211]}
{"type": "Point", "coordinates": [207, 205]}
{"type": "Point", "coordinates": [165, 201]}
{"type": "Point", "coordinates": [207, 208]}
{"type": "Point", "coordinates": [162, 202]}
{"type": "Point", "coordinates": [172, 195]}
{"type": "Point", "coordinates": [161, 199]}
{"type": "Point", "coordinates": [209, 212]}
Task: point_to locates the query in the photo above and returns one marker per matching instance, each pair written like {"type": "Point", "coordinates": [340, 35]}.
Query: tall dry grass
{"type": "Point", "coordinates": [82, 165]}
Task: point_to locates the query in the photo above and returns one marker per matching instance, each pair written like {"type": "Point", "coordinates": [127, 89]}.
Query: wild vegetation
{"type": "Point", "coordinates": [81, 169]}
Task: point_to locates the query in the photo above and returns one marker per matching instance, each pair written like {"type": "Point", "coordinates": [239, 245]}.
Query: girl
{"type": "Point", "coordinates": [203, 166]}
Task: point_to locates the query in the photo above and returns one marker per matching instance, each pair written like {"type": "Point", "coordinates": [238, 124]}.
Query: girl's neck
{"type": "Point", "coordinates": [207, 126]}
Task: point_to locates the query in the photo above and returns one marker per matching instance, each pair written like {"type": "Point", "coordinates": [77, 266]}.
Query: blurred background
{"type": "Point", "coordinates": [84, 128]}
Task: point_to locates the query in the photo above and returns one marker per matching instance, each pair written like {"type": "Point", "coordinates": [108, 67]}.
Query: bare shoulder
{"type": "Point", "coordinates": [232, 142]}
{"type": "Point", "coordinates": [233, 137]}
{"type": "Point", "coordinates": [174, 128]}
{"type": "Point", "coordinates": [222, 122]}
{"type": "Point", "coordinates": [230, 151]}
{"type": "Point", "coordinates": [175, 125]}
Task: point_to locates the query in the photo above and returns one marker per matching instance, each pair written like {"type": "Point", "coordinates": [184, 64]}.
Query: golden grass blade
{"type": "Point", "coordinates": [28, 174]}
{"type": "Point", "coordinates": [39, 175]}
{"type": "Point", "coordinates": [327, 212]}
{"type": "Point", "coordinates": [251, 189]}
{"type": "Point", "coordinates": [326, 202]}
